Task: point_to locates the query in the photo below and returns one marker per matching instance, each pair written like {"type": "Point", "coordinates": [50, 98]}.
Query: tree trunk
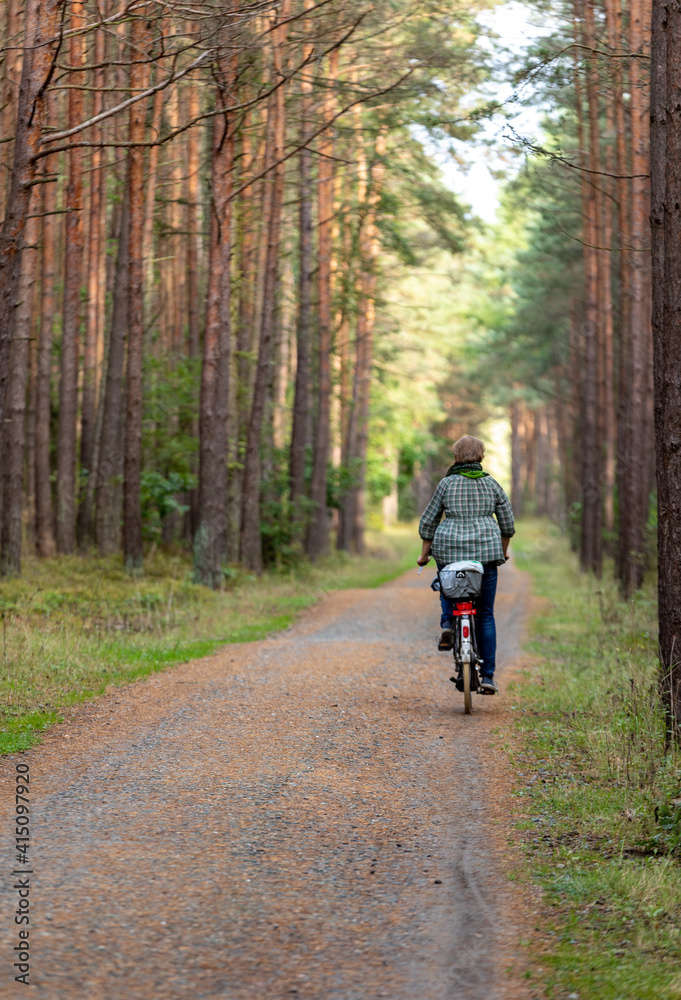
{"type": "Point", "coordinates": [44, 527]}
{"type": "Point", "coordinates": [365, 330]}
{"type": "Point", "coordinates": [634, 498]}
{"type": "Point", "coordinates": [285, 339]}
{"type": "Point", "coordinates": [251, 542]}
{"type": "Point", "coordinates": [132, 465]}
{"type": "Point", "coordinates": [617, 45]}
{"type": "Point", "coordinates": [602, 226]}
{"type": "Point", "coordinates": [150, 195]}
{"type": "Point", "coordinates": [348, 495]}
{"type": "Point", "coordinates": [665, 177]}
{"type": "Point", "coordinates": [529, 457]}
{"type": "Point", "coordinates": [176, 266]}
{"type": "Point", "coordinates": [263, 160]}
{"type": "Point", "coordinates": [247, 271]}
{"type": "Point", "coordinates": [604, 418]}
{"type": "Point", "coordinates": [41, 21]}
{"type": "Point", "coordinates": [15, 410]}
{"type": "Point", "coordinates": [516, 459]}
{"type": "Point", "coordinates": [29, 425]}
{"type": "Point", "coordinates": [542, 462]}
{"type": "Point", "coordinates": [342, 283]}
{"type": "Point", "coordinates": [73, 277]}
{"type": "Point", "coordinates": [301, 399]}
{"type": "Point", "coordinates": [209, 542]}
{"type": "Point", "coordinates": [592, 505]}
{"type": "Point", "coordinates": [194, 261]}
{"type": "Point", "coordinates": [351, 526]}
{"type": "Point", "coordinates": [245, 334]}
{"type": "Point", "coordinates": [110, 466]}
{"type": "Point", "coordinates": [609, 416]}
{"type": "Point", "coordinates": [571, 415]}
{"type": "Point", "coordinates": [94, 319]}
{"type": "Point", "coordinates": [554, 499]}
{"type": "Point", "coordinates": [318, 535]}
{"type": "Point", "coordinates": [615, 164]}
{"type": "Point", "coordinates": [193, 222]}
{"type": "Point", "coordinates": [12, 65]}
{"type": "Point", "coordinates": [563, 419]}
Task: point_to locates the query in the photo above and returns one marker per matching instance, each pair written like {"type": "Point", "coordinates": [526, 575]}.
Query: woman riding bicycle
{"type": "Point", "coordinates": [469, 498]}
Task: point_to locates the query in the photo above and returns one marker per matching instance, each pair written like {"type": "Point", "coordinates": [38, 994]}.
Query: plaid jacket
{"type": "Point", "coordinates": [468, 530]}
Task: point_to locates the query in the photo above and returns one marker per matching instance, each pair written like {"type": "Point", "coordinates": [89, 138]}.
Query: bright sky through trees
{"type": "Point", "coordinates": [515, 26]}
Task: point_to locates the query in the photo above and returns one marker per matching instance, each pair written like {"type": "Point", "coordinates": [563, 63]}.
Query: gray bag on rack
{"type": "Point", "coordinates": [459, 580]}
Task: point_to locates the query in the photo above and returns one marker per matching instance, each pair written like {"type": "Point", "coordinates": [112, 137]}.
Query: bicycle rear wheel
{"type": "Point", "coordinates": [467, 701]}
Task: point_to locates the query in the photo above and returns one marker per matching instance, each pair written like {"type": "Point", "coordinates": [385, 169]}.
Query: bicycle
{"type": "Point", "coordinates": [461, 582]}
{"type": "Point", "coordinates": [465, 652]}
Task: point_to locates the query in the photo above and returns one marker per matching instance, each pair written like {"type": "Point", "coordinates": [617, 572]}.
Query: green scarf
{"type": "Point", "coordinates": [471, 470]}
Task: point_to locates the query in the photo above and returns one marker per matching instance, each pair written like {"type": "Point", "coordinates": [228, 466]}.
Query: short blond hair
{"type": "Point", "coordinates": [468, 449]}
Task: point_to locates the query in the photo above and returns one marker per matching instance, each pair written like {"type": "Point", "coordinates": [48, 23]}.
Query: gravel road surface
{"type": "Point", "coordinates": [308, 816]}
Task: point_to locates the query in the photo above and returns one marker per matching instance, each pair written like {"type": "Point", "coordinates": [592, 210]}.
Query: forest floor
{"type": "Point", "coordinates": [310, 814]}
{"type": "Point", "coordinates": [601, 795]}
{"type": "Point", "coordinates": [72, 626]}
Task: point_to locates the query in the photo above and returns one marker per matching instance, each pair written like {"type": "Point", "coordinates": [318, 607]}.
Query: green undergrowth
{"type": "Point", "coordinates": [600, 794]}
{"type": "Point", "coordinates": [72, 626]}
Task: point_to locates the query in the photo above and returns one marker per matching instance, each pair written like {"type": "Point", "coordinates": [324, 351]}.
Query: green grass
{"type": "Point", "coordinates": [71, 626]}
{"type": "Point", "coordinates": [601, 795]}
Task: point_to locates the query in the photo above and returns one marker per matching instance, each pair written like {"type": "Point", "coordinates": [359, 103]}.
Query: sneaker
{"type": "Point", "coordinates": [446, 640]}
{"type": "Point", "coordinates": [488, 685]}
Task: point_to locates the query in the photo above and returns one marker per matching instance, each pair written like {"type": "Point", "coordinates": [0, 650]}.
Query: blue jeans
{"type": "Point", "coordinates": [485, 629]}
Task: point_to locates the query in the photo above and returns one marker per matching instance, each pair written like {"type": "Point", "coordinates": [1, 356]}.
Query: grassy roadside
{"type": "Point", "coordinates": [71, 626]}
{"type": "Point", "coordinates": [602, 799]}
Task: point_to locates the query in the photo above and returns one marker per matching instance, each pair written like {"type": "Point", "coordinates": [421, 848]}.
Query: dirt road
{"type": "Point", "coordinates": [311, 815]}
